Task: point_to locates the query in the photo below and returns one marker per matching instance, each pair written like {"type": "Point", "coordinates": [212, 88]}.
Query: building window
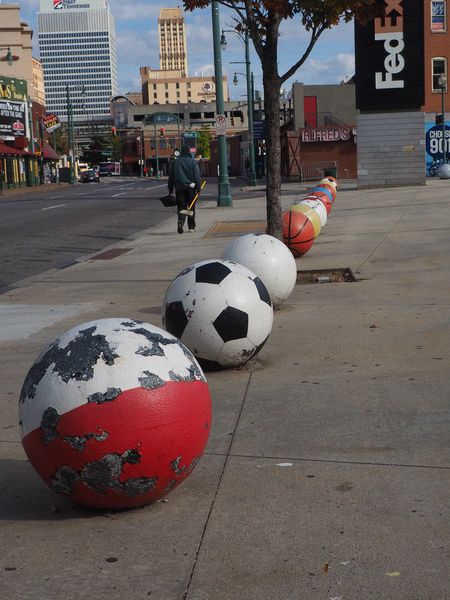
{"type": "Point", "coordinates": [438, 67]}
{"type": "Point", "coordinates": [438, 16]}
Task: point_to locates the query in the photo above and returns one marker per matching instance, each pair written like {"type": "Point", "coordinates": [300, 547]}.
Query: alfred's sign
{"type": "Point", "coordinates": [389, 58]}
{"type": "Point", "coordinates": [328, 134]}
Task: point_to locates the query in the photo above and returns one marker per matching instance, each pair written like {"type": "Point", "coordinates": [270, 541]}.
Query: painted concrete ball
{"type": "Point", "coordinates": [115, 413]}
{"type": "Point", "coordinates": [269, 259]}
{"type": "Point", "coordinates": [318, 207]}
{"type": "Point", "coordinates": [220, 310]}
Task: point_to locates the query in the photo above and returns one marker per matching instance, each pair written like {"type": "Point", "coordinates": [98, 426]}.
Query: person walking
{"type": "Point", "coordinates": [185, 178]}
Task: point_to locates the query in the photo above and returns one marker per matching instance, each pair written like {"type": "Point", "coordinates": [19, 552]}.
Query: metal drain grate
{"type": "Point", "coordinates": [109, 254]}
{"type": "Point", "coordinates": [325, 276]}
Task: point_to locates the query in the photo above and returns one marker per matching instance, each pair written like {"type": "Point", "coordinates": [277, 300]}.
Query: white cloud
{"type": "Point", "coordinates": [331, 70]}
{"type": "Point", "coordinates": [137, 44]}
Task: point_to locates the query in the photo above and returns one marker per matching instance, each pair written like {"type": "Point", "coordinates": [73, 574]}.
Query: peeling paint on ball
{"type": "Point", "coordinates": [115, 413]}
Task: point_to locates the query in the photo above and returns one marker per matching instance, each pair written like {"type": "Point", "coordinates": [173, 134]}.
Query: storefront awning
{"type": "Point", "coordinates": [49, 152]}
{"type": "Point", "coordinates": [5, 149]}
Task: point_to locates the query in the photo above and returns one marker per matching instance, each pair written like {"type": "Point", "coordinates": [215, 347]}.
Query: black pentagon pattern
{"type": "Point", "coordinates": [262, 291]}
{"type": "Point", "coordinates": [231, 324]}
{"type": "Point", "coordinates": [213, 272]}
{"type": "Point", "coordinates": [176, 319]}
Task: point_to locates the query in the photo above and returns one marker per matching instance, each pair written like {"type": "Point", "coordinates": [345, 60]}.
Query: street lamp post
{"type": "Point", "coordinates": [31, 128]}
{"type": "Point", "coordinates": [70, 134]}
{"type": "Point", "coordinates": [250, 99]}
{"type": "Point", "coordinates": [224, 195]}
{"type": "Point", "coordinates": [139, 139]}
{"type": "Point", "coordinates": [442, 82]}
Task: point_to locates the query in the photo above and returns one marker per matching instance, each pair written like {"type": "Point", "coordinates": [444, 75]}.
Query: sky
{"type": "Point", "coordinates": [137, 45]}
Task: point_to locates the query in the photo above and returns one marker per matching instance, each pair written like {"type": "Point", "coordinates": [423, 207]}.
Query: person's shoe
{"type": "Point", "coordinates": [191, 230]}
{"type": "Point", "coordinates": [180, 227]}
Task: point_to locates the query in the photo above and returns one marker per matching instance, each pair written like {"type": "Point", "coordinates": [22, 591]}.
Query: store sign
{"type": "Point", "coordinates": [12, 118]}
{"type": "Point", "coordinates": [327, 134]}
{"type": "Point", "coordinates": [13, 89]}
{"type": "Point", "coordinates": [13, 96]}
{"type": "Point", "coordinates": [50, 122]}
{"type": "Point", "coordinates": [389, 58]}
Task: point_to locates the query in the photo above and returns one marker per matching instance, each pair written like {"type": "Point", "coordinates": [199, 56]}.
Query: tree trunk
{"type": "Point", "coordinates": [271, 85]}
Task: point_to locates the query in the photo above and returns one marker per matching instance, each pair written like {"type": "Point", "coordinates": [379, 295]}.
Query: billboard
{"type": "Point", "coordinates": [13, 99]}
{"type": "Point", "coordinates": [434, 146]}
{"type": "Point", "coordinates": [389, 58]}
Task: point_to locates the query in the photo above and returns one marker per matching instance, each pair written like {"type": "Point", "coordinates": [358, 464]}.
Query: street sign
{"type": "Point", "coordinates": [221, 124]}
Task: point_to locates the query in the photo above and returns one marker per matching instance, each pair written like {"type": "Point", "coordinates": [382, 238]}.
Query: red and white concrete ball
{"type": "Point", "coordinates": [115, 413]}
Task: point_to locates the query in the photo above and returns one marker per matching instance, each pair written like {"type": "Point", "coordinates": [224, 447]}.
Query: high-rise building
{"type": "Point", "coordinates": [77, 47]}
{"type": "Point", "coordinates": [172, 41]}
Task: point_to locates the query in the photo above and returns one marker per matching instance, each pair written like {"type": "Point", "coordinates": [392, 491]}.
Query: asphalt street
{"type": "Point", "coordinates": [52, 228]}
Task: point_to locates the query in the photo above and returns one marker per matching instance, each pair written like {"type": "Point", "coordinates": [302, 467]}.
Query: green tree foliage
{"type": "Point", "coordinates": [59, 140]}
{"type": "Point", "coordinates": [203, 142]}
{"type": "Point", "coordinates": [263, 19]}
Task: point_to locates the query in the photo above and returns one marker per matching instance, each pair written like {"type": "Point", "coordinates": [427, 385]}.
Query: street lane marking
{"type": "Point", "coordinates": [50, 207]}
{"type": "Point", "coordinates": [121, 194]}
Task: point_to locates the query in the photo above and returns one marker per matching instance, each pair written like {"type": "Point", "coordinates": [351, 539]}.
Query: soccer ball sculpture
{"type": "Point", "coordinates": [269, 259]}
{"type": "Point", "coordinates": [220, 310]}
{"type": "Point", "coordinates": [115, 413]}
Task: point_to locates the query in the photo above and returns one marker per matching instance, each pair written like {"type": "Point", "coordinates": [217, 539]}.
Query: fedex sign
{"type": "Point", "coordinates": [389, 29]}
{"type": "Point", "coordinates": [389, 57]}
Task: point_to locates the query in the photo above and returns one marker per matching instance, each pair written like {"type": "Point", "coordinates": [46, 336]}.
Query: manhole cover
{"type": "Point", "coordinates": [234, 228]}
{"type": "Point", "coordinates": [109, 254]}
{"type": "Point", "coordinates": [325, 276]}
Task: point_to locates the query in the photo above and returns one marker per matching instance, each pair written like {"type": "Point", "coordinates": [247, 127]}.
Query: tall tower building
{"type": "Point", "coordinates": [172, 41]}
{"type": "Point", "coordinates": [77, 46]}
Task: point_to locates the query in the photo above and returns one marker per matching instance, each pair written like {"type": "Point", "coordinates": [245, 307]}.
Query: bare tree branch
{"type": "Point", "coordinates": [315, 34]}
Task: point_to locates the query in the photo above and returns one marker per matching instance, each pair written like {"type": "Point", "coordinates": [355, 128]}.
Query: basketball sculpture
{"type": "Point", "coordinates": [318, 207]}
{"type": "Point", "coordinates": [269, 259]}
{"type": "Point", "coordinates": [220, 310]}
{"type": "Point", "coordinates": [298, 232]}
{"type": "Point", "coordinates": [115, 413]}
{"type": "Point", "coordinates": [311, 214]}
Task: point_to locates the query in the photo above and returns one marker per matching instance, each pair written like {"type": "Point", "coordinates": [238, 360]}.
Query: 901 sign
{"type": "Point", "coordinates": [434, 141]}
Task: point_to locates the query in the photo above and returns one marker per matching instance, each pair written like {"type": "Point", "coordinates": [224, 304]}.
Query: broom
{"type": "Point", "coordinates": [188, 211]}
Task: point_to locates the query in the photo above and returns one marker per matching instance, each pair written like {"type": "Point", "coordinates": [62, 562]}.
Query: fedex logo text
{"type": "Point", "coordinates": [390, 30]}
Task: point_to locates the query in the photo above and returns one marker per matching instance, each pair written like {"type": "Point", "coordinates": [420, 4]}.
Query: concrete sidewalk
{"type": "Point", "coordinates": [327, 471]}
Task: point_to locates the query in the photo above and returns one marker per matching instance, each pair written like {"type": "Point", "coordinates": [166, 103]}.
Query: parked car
{"type": "Point", "coordinates": [89, 175]}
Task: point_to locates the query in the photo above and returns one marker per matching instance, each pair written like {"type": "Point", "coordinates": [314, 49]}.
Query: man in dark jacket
{"type": "Point", "coordinates": [185, 178]}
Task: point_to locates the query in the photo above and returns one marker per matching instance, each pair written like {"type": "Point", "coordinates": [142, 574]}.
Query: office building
{"type": "Point", "coordinates": [172, 41]}
{"type": "Point", "coordinates": [77, 49]}
{"type": "Point", "coordinates": [170, 87]}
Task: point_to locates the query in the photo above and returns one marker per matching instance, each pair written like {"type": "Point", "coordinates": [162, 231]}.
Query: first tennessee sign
{"type": "Point", "coordinates": [389, 58]}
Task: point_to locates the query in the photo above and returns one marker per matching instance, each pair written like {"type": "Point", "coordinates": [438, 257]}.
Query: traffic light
{"type": "Point", "coordinates": [113, 130]}
{"type": "Point", "coordinates": [162, 131]}
{"type": "Point", "coordinates": [439, 119]}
